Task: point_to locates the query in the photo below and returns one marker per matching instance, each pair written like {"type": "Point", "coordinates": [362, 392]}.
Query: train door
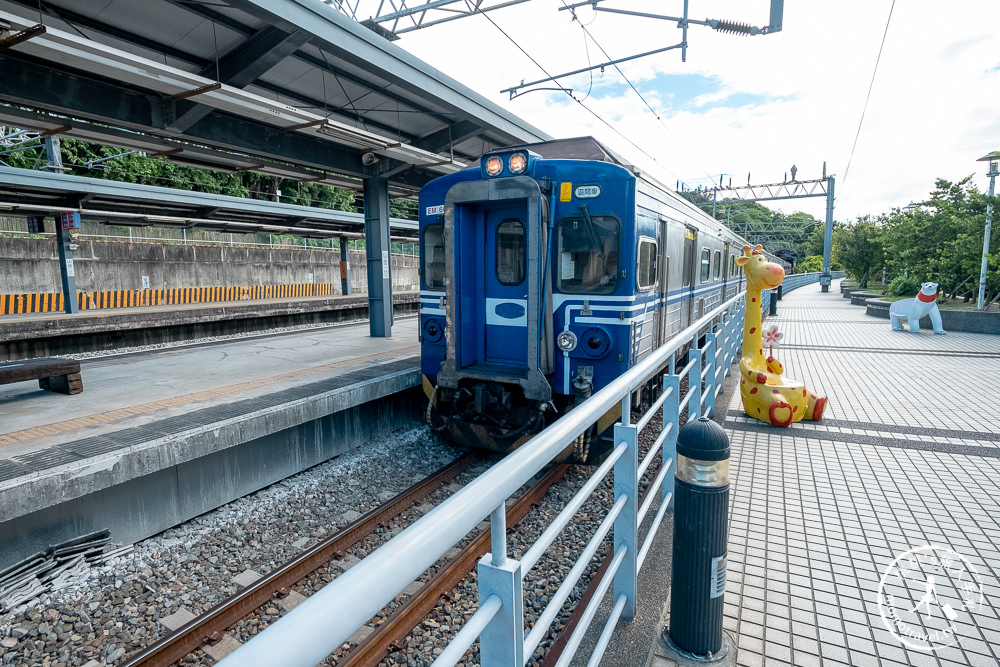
{"type": "Point", "coordinates": [505, 290]}
{"type": "Point", "coordinates": [688, 277]}
{"type": "Point", "coordinates": [726, 281]}
{"type": "Point", "coordinates": [664, 282]}
{"type": "Point", "coordinates": [494, 293]}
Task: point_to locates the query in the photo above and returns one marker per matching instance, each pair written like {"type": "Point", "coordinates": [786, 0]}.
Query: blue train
{"type": "Point", "coordinates": [547, 271]}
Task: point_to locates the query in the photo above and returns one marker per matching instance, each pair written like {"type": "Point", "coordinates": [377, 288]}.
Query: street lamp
{"type": "Point", "coordinates": [992, 158]}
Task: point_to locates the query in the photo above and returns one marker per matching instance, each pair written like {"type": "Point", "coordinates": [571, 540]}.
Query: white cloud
{"type": "Point", "coordinates": [791, 97]}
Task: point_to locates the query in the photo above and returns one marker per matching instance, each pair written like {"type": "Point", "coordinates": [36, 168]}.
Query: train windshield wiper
{"type": "Point", "coordinates": [592, 231]}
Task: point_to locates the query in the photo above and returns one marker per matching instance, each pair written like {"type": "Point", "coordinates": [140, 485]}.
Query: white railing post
{"type": "Point", "coordinates": [694, 382]}
{"type": "Point", "coordinates": [727, 341]}
{"type": "Point", "coordinates": [711, 368]}
{"type": "Point", "coordinates": [502, 641]}
{"type": "Point", "coordinates": [626, 528]}
{"type": "Point", "coordinates": [671, 418]}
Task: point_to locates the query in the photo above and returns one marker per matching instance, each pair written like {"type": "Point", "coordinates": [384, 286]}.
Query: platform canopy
{"type": "Point", "coordinates": [41, 193]}
{"type": "Point", "coordinates": [291, 88]}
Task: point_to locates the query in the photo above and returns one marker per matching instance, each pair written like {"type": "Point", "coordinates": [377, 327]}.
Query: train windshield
{"type": "Point", "coordinates": [588, 254]}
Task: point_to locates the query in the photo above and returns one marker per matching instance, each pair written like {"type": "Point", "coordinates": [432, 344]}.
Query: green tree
{"type": "Point", "coordinates": [859, 248]}
{"type": "Point", "coordinates": [942, 240]}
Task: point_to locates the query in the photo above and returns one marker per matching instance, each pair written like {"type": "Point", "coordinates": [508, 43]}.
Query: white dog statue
{"type": "Point", "coordinates": [914, 309]}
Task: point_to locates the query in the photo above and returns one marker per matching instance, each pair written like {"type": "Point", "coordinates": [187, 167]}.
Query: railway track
{"type": "Point", "coordinates": [208, 627]}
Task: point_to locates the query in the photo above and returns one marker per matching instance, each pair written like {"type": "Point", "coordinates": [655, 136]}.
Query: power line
{"type": "Point", "coordinates": [865, 109]}
{"type": "Point", "coordinates": [662, 122]}
{"type": "Point", "coordinates": [588, 109]}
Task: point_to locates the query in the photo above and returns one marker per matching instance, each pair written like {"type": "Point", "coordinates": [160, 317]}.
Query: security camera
{"type": "Point", "coordinates": [368, 159]}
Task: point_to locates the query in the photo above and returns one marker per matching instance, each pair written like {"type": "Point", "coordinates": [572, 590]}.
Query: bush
{"type": "Point", "coordinates": [811, 264]}
{"type": "Point", "coordinates": [904, 286]}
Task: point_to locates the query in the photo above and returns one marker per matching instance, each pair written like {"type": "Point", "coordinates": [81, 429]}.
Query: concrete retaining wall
{"type": "Point", "coordinates": [31, 265]}
{"type": "Point", "coordinates": [154, 486]}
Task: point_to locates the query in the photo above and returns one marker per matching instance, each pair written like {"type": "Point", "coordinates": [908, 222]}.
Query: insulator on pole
{"type": "Point", "coordinates": [731, 26]}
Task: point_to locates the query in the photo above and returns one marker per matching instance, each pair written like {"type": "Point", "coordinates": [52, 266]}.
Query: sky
{"type": "Point", "coordinates": [753, 105]}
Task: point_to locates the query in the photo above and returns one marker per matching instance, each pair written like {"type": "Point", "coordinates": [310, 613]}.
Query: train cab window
{"type": "Point", "coordinates": [434, 257]}
{"type": "Point", "coordinates": [512, 252]}
{"type": "Point", "coordinates": [645, 273]}
{"type": "Point", "coordinates": [717, 265]}
{"type": "Point", "coordinates": [588, 249]}
{"type": "Point", "coordinates": [704, 264]}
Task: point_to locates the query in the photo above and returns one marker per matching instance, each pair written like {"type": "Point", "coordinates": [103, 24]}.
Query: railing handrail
{"type": "Point", "coordinates": [318, 626]}
{"type": "Point", "coordinates": [324, 621]}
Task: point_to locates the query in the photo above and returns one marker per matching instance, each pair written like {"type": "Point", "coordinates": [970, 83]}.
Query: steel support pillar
{"type": "Point", "coordinates": [826, 278]}
{"type": "Point", "coordinates": [377, 246]}
{"type": "Point", "coordinates": [63, 241]}
{"type": "Point", "coordinates": [345, 266]}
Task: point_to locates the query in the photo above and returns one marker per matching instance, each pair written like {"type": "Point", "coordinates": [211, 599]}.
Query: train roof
{"type": "Point", "coordinates": [577, 148]}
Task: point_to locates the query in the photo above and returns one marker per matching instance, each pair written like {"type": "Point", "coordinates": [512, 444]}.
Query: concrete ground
{"type": "Point", "coordinates": [129, 390]}
{"type": "Point", "coordinates": [905, 465]}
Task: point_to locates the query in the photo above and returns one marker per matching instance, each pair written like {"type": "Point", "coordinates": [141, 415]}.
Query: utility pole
{"type": "Point", "coordinates": [993, 158]}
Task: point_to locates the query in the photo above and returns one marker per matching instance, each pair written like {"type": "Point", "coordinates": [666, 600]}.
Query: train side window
{"type": "Point", "coordinates": [732, 266]}
{"type": "Point", "coordinates": [704, 265]}
{"type": "Point", "coordinates": [645, 273]}
{"type": "Point", "coordinates": [687, 270]}
{"type": "Point", "coordinates": [717, 265]}
{"type": "Point", "coordinates": [512, 252]}
{"type": "Point", "coordinates": [588, 248]}
{"type": "Point", "coordinates": [434, 257]}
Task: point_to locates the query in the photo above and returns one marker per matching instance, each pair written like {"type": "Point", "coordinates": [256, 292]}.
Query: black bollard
{"type": "Point", "coordinates": [701, 507]}
{"type": "Point", "coordinates": [775, 295]}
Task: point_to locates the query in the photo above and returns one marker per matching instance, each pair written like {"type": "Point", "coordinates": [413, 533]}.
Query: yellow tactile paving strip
{"type": "Point", "coordinates": [146, 408]}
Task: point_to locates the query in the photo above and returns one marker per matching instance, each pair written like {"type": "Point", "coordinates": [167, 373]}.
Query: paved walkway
{"type": "Point", "coordinates": [907, 456]}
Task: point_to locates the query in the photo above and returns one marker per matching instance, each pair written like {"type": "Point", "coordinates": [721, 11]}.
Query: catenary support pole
{"type": "Point", "coordinates": [826, 278]}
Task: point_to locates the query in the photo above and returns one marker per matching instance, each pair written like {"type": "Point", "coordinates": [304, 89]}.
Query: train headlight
{"type": "Point", "coordinates": [494, 166]}
{"type": "Point", "coordinates": [566, 341]}
{"type": "Point", "coordinates": [518, 163]}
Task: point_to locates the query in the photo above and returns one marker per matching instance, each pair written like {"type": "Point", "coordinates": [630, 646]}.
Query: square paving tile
{"type": "Point", "coordinates": [904, 458]}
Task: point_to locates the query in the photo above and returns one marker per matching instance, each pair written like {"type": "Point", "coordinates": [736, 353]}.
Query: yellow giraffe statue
{"type": "Point", "coordinates": [767, 395]}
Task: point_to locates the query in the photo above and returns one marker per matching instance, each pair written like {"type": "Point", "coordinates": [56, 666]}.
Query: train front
{"type": "Point", "coordinates": [492, 361]}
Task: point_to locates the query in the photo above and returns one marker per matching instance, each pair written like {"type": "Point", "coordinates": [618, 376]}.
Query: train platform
{"type": "Point", "coordinates": [28, 335]}
{"type": "Point", "coordinates": [159, 437]}
{"type": "Point", "coordinates": [886, 514]}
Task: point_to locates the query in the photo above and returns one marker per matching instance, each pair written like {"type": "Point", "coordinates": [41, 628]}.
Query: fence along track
{"type": "Point", "coordinates": [409, 614]}
{"type": "Point", "coordinates": [203, 629]}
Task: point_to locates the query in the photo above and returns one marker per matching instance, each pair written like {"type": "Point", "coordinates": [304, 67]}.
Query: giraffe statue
{"type": "Point", "coordinates": [767, 395]}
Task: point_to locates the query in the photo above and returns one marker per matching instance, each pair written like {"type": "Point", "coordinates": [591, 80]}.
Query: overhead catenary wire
{"type": "Point", "coordinates": [569, 93]}
{"type": "Point", "coordinates": [659, 118]}
{"type": "Point", "coordinates": [867, 98]}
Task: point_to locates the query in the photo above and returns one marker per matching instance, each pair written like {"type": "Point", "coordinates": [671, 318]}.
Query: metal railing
{"type": "Point", "coordinates": [316, 628]}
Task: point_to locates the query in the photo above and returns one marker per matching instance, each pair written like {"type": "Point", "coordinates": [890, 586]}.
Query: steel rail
{"type": "Point", "coordinates": [199, 631]}
{"type": "Point", "coordinates": [371, 650]}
